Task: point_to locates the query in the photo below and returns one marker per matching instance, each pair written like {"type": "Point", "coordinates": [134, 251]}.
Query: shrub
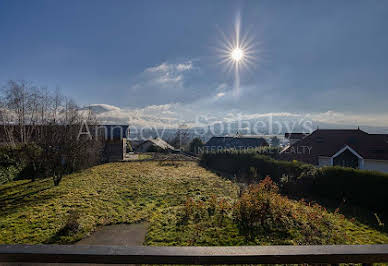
{"type": "Point", "coordinates": [259, 216]}
{"type": "Point", "coordinates": [72, 223]}
{"type": "Point", "coordinates": [195, 145]}
{"type": "Point", "coordinates": [359, 187]}
{"type": "Point", "coordinates": [19, 162]}
{"type": "Point", "coordinates": [69, 230]}
{"type": "Point", "coordinates": [9, 165]}
{"type": "Point", "coordinates": [8, 173]}
{"type": "Point", "coordinates": [262, 213]}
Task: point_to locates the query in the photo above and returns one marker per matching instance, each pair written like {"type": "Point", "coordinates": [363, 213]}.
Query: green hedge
{"type": "Point", "coordinates": [243, 162]}
{"type": "Point", "coordinates": [10, 164]}
{"type": "Point", "coordinates": [368, 189]}
{"type": "Point", "coordinates": [360, 187]}
{"type": "Point", "coordinates": [16, 162]}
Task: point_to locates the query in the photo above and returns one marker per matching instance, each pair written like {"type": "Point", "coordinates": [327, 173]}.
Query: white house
{"type": "Point", "coordinates": [349, 148]}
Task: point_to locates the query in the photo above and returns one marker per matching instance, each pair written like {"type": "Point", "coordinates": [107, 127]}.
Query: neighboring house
{"type": "Point", "coordinates": [135, 143]}
{"type": "Point", "coordinates": [343, 147]}
{"type": "Point", "coordinates": [113, 132]}
{"type": "Point", "coordinates": [114, 150]}
{"type": "Point", "coordinates": [155, 145]}
{"type": "Point", "coordinates": [237, 142]}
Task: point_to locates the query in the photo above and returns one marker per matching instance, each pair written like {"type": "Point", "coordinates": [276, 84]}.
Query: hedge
{"type": "Point", "coordinates": [16, 162]}
{"type": "Point", "coordinates": [11, 164]}
{"type": "Point", "coordinates": [367, 189]}
{"type": "Point", "coordinates": [360, 187]}
{"type": "Point", "coordinates": [243, 162]}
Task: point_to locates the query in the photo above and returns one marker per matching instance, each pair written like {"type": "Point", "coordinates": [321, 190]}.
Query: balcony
{"type": "Point", "coordinates": [365, 254]}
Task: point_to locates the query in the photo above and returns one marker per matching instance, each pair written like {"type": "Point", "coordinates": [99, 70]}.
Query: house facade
{"type": "Point", "coordinates": [348, 148]}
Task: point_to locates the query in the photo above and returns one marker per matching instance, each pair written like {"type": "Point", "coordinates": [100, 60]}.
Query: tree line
{"type": "Point", "coordinates": [39, 133]}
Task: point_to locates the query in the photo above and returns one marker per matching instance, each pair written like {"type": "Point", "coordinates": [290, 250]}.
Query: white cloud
{"type": "Point", "coordinates": [261, 115]}
{"type": "Point", "coordinates": [158, 116]}
{"type": "Point", "coordinates": [161, 68]}
{"type": "Point", "coordinates": [353, 119]}
{"type": "Point", "coordinates": [168, 76]}
{"type": "Point", "coordinates": [184, 67]}
{"type": "Point", "coordinates": [168, 68]}
{"type": "Point", "coordinates": [169, 79]}
{"type": "Point", "coordinates": [220, 94]}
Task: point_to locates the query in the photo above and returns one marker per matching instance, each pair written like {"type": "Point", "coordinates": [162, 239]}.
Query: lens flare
{"type": "Point", "coordinates": [237, 53]}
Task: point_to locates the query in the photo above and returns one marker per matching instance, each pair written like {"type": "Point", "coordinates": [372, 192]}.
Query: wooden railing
{"type": "Point", "coordinates": [366, 254]}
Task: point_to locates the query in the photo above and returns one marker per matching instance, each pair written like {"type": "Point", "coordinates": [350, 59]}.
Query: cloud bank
{"type": "Point", "coordinates": [176, 114]}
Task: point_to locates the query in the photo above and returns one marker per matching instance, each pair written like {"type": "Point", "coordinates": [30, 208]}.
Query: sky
{"type": "Point", "coordinates": [163, 59]}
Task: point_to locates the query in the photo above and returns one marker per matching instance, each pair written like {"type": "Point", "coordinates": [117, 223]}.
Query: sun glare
{"type": "Point", "coordinates": [237, 54]}
{"type": "Point", "coordinates": [238, 51]}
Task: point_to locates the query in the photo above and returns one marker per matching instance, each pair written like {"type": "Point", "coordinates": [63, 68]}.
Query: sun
{"type": "Point", "coordinates": [237, 54]}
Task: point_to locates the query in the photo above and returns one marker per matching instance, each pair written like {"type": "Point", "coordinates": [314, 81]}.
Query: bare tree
{"type": "Point", "coordinates": [34, 116]}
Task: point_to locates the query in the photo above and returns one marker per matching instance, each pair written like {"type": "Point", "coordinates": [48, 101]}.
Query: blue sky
{"type": "Point", "coordinates": [312, 57]}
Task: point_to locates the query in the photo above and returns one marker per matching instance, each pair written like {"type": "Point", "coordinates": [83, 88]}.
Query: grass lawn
{"type": "Point", "coordinates": [142, 156]}
{"type": "Point", "coordinates": [138, 156]}
{"type": "Point", "coordinates": [132, 192]}
{"type": "Point", "coordinates": [106, 194]}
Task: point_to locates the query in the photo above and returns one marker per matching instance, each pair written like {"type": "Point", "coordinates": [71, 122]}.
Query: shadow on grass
{"type": "Point", "coordinates": [26, 194]}
{"type": "Point", "coordinates": [12, 208]}
{"type": "Point", "coordinates": [70, 228]}
{"type": "Point", "coordinates": [20, 199]}
{"type": "Point", "coordinates": [8, 187]}
{"type": "Point", "coordinates": [10, 190]}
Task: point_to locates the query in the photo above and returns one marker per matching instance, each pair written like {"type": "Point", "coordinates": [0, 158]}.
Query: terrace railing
{"type": "Point", "coordinates": [366, 254]}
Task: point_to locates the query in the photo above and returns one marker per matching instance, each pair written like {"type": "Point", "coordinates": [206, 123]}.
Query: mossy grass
{"type": "Point", "coordinates": [39, 212]}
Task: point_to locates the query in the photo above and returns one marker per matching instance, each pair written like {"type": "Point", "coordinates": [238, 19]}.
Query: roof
{"type": "Point", "coordinates": [327, 142]}
{"type": "Point", "coordinates": [295, 135]}
{"type": "Point", "coordinates": [241, 141]}
{"type": "Point", "coordinates": [160, 143]}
